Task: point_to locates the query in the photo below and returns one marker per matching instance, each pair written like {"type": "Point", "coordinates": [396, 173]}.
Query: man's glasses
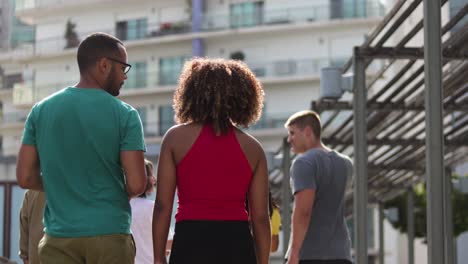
{"type": "Point", "coordinates": [127, 66]}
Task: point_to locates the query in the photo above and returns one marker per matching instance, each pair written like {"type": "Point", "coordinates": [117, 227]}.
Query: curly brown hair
{"type": "Point", "coordinates": [218, 91]}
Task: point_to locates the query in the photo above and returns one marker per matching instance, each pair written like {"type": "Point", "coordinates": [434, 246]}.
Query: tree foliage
{"type": "Point", "coordinates": [459, 209]}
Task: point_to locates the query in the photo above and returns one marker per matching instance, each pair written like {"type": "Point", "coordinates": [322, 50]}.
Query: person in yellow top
{"type": "Point", "coordinates": [275, 223]}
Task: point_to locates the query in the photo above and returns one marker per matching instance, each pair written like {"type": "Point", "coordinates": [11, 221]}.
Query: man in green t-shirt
{"type": "Point", "coordinates": [85, 149]}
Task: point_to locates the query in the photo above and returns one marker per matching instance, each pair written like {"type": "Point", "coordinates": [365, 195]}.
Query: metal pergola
{"type": "Point", "coordinates": [399, 107]}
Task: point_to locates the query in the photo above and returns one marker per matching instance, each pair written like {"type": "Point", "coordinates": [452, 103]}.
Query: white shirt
{"type": "Point", "coordinates": [142, 218]}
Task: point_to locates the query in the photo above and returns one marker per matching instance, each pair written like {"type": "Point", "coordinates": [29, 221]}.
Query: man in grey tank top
{"type": "Point", "coordinates": [319, 176]}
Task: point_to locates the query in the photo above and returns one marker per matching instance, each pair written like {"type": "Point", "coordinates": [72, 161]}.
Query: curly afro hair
{"type": "Point", "coordinates": [218, 91]}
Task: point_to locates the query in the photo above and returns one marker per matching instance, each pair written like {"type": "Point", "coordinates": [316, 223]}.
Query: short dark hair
{"type": "Point", "coordinates": [306, 118]}
{"type": "Point", "coordinates": [218, 91]}
{"type": "Point", "coordinates": [94, 47]}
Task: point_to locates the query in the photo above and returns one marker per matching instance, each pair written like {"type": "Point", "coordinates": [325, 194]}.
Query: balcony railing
{"type": "Point", "coordinates": [28, 93]}
{"type": "Point", "coordinates": [271, 120]}
{"type": "Point", "coordinates": [14, 117]}
{"type": "Point", "coordinates": [292, 67]}
{"type": "Point", "coordinates": [275, 16]}
{"type": "Point", "coordinates": [58, 43]}
{"type": "Point", "coordinates": [267, 121]}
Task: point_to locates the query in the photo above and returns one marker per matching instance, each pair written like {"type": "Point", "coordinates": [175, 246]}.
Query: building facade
{"type": "Point", "coordinates": [285, 43]}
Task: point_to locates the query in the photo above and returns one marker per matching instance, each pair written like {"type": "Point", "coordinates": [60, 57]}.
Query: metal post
{"type": "Point", "coordinates": [360, 158]}
{"type": "Point", "coordinates": [434, 133]}
{"type": "Point", "coordinates": [381, 234]}
{"type": "Point", "coordinates": [410, 222]}
{"type": "Point", "coordinates": [449, 247]}
{"type": "Point", "coordinates": [198, 48]}
{"type": "Point", "coordinates": [286, 197]}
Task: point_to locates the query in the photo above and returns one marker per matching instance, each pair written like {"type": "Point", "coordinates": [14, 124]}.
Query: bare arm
{"type": "Point", "coordinates": [302, 211]}
{"type": "Point", "coordinates": [28, 173]}
{"type": "Point", "coordinates": [133, 163]}
{"type": "Point", "coordinates": [165, 189]}
{"type": "Point", "coordinates": [258, 206]}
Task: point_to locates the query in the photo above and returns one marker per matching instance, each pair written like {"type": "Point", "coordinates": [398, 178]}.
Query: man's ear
{"type": "Point", "coordinates": [308, 131]}
{"type": "Point", "coordinates": [103, 65]}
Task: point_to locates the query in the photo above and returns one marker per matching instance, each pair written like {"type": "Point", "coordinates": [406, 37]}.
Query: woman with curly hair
{"type": "Point", "coordinates": [214, 166]}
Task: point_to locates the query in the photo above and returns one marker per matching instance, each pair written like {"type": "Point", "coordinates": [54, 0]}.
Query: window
{"type": "Point", "coordinates": [169, 69]}
{"type": "Point", "coordinates": [22, 33]}
{"type": "Point", "coordinates": [166, 118]}
{"type": "Point", "coordinates": [11, 199]}
{"type": "Point", "coordinates": [246, 14]}
{"type": "Point", "coordinates": [132, 29]}
{"type": "Point", "coordinates": [136, 77]}
{"type": "Point", "coordinates": [370, 228]}
{"type": "Point", "coordinates": [142, 112]}
{"type": "Point", "coordinates": [348, 8]}
{"type": "Point", "coordinates": [10, 80]}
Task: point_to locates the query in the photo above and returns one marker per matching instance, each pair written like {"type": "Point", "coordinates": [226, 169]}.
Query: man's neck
{"type": "Point", "coordinates": [87, 81]}
{"type": "Point", "coordinates": [320, 146]}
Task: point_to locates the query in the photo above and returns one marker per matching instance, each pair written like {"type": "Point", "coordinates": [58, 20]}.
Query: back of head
{"type": "Point", "coordinates": [94, 47]}
{"type": "Point", "coordinates": [218, 91]}
{"type": "Point", "coordinates": [305, 118]}
{"type": "Point", "coordinates": [149, 168]}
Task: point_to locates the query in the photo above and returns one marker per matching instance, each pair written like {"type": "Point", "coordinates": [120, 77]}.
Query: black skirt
{"type": "Point", "coordinates": [212, 242]}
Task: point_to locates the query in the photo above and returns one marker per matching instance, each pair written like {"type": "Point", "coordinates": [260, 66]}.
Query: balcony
{"type": "Point", "coordinates": [266, 16]}
{"type": "Point", "coordinates": [12, 123]}
{"type": "Point", "coordinates": [291, 68]}
{"type": "Point", "coordinates": [131, 32]}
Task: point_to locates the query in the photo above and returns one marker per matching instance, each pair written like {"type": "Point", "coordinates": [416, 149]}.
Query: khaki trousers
{"type": "Point", "coordinates": [105, 249]}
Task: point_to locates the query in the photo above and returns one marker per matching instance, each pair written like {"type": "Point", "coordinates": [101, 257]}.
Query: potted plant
{"type": "Point", "coordinates": [238, 55]}
{"type": "Point", "coordinates": [70, 35]}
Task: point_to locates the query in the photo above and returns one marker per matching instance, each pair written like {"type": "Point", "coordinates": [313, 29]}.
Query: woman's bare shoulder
{"type": "Point", "coordinates": [248, 142]}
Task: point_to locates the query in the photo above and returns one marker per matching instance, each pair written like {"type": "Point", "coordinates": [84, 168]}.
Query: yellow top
{"type": "Point", "coordinates": [275, 222]}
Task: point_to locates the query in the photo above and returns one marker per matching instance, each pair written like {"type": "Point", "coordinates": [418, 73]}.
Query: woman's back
{"type": "Point", "coordinates": [213, 178]}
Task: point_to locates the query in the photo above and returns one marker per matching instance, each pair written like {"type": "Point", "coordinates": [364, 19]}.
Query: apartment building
{"type": "Point", "coordinates": [285, 43]}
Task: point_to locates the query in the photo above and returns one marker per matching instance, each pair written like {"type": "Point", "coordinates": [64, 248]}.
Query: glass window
{"type": "Point", "coordinates": [137, 28]}
{"type": "Point", "coordinates": [17, 195]}
{"type": "Point", "coordinates": [354, 8]}
{"type": "Point", "coordinates": [132, 29]}
{"type": "Point", "coordinates": [370, 228]}
{"type": "Point", "coordinates": [166, 118]}
{"type": "Point", "coordinates": [169, 69]}
{"type": "Point", "coordinates": [142, 113]}
{"type": "Point", "coordinates": [2, 212]}
{"type": "Point", "coordinates": [246, 14]}
{"type": "Point", "coordinates": [136, 77]}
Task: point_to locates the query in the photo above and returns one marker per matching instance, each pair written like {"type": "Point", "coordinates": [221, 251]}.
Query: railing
{"type": "Point", "coordinates": [210, 22]}
{"type": "Point", "coordinates": [29, 93]}
{"type": "Point", "coordinates": [14, 117]}
{"type": "Point", "coordinates": [58, 43]}
{"type": "Point", "coordinates": [30, 4]}
{"type": "Point", "coordinates": [271, 120]}
{"type": "Point", "coordinates": [293, 67]}
{"type": "Point", "coordinates": [267, 121]}
{"type": "Point", "coordinates": [275, 16]}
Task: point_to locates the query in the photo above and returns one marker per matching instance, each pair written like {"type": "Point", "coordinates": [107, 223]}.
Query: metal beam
{"type": "Point", "coordinates": [381, 234]}
{"type": "Point", "coordinates": [449, 246]}
{"type": "Point", "coordinates": [324, 105]}
{"type": "Point", "coordinates": [286, 196]}
{"type": "Point", "coordinates": [434, 132]}
{"type": "Point", "coordinates": [360, 160]}
{"type": "Point", "coordinates": [410, 222]}
{"type": "Point", "coordinates": [406, 53]}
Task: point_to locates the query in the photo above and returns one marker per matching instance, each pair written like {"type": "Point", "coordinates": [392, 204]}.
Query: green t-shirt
{"type": "Point", "coordinates": [79, 134]}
